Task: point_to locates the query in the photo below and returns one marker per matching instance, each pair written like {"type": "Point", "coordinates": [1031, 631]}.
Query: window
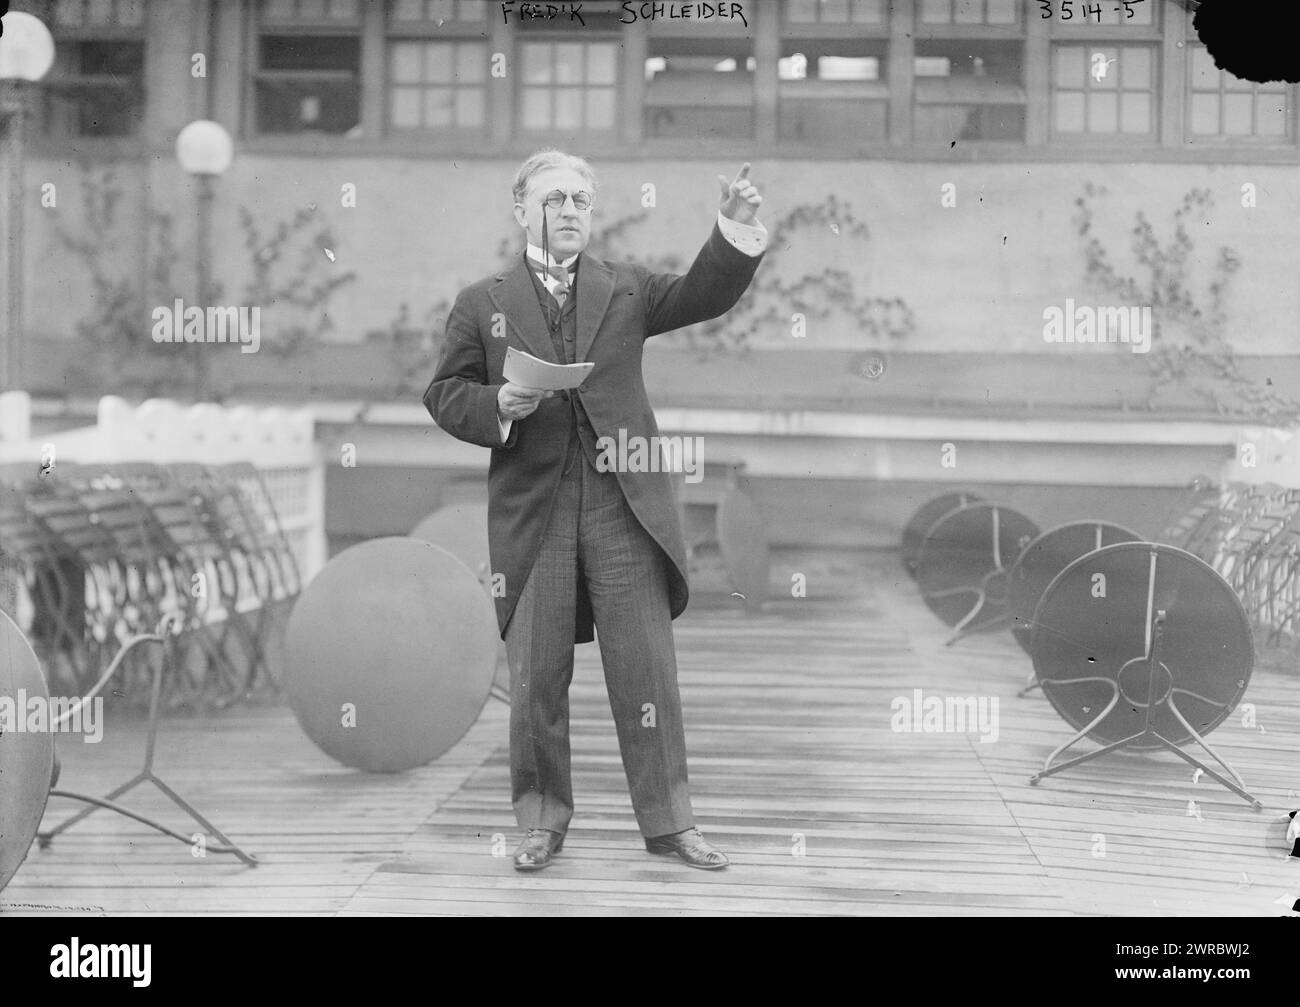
{"type": "Point", "coordinates": [437, 85]}
{"type": "Point", "coordinates": [308, 66]}
{"type": "Point", "coordinates": [978, 12]}
{"type": "Point", "coordinates": [699, 87]}
{"type": "Point", "coordinates": [1221, 105]}
{"type": "Point", "coordinates": [568, 86]}
{"type": "Point", "coordinates": [970, 90]}
{"type": "Point", "coordinates": [439, 12]}
{"type": "Point", "coordinates": [438, 67]}
{"type": "Point", "coordinates": [832, 91]}
{"type": "Point", "coordinates": [1103, 90]}
{"type": "Point", "coordinates": [96, 87]}
{"type": "Point", "coordinates": [835, 11]}
{"type": "Point", "coordinates": [98, 13]}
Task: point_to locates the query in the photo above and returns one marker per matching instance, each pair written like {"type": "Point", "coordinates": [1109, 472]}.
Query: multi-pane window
{"type": "Point", "coordinates": [969, 90]}
{"type": "Point", "coordinates": [1103, 90]}
{"type": "Point", "coordinates": [832, 91]}
{"type": "Point", "coordinates": [569, 86]}
{"type": "Point", "coordinates": [438, 64]}
{"type": "Point", "coordinates": [439, 11]}
{"type": "Point", "coordinates": [701, 87]}
{"type": "Point", "coordinates": [96, 87]}
{"type": "Point", "coordinates": [835, 11]}
{"type": "Point", "coordinates": [1222, 105]}
{"type": "Point", "coordinates": [308, 76]}
{"type": "Point", "coordinates": [98, 13]}
{"type": "Point", "coordinates": [974, 12]}
{"type": "Point", "coordinates": [437, 85]}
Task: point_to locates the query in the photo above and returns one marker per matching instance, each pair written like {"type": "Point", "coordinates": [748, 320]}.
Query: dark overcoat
{"type": "Point", "coordinates": [619, 306]}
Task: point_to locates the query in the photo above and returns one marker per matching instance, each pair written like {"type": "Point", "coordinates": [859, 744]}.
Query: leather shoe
{"type": "Point", "coordinates": [692, 847]}
{"type": "Point", "coordinates": [537, 849]}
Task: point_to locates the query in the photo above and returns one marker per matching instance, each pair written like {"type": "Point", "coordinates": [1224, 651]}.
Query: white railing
{"type": "Point", "coordinates": [279, 442]}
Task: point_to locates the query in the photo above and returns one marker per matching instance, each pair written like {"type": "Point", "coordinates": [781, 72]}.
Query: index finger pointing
{"type": "Point", "coordinates": [744, 173]}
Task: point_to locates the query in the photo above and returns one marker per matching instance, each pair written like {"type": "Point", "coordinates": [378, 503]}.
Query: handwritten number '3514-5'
{"type": "Point", "coordinates": [1067, 9]}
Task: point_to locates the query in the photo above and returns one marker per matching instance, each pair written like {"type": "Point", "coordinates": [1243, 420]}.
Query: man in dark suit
{"type": "Point", "coordinates": [580, 538]}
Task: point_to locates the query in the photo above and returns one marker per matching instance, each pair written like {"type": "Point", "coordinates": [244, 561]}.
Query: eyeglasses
{"type": "Point", "coordinates": [555, 199]}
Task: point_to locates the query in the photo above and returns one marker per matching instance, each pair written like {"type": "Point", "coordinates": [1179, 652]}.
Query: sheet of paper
{"type": "Point", "coordinates": [533, 372]}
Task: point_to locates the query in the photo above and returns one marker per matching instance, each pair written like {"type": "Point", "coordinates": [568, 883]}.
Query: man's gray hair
{"type": "Point", "coordinates": [550, 158]}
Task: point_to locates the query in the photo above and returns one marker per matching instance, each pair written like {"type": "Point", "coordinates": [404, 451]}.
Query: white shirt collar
{"type": "Point", "coordinates": [535, 254]}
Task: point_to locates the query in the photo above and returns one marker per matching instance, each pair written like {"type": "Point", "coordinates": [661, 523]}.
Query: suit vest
{"type": "Point", "coordinates": [564, 335]}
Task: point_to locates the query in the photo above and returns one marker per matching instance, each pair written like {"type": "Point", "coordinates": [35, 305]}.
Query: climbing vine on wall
{"type": "Point", "coordinates": [775, 296]}
{"type": "Point", "coordinates": [287, 267]}
{"type": "Point", "coordinates": [1203, 361]}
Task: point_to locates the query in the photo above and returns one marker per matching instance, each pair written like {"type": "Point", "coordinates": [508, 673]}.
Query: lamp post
{"type": "Point", "coordinates": [26, 54]}
{"type": "Point", "coordinates": [204, 150]}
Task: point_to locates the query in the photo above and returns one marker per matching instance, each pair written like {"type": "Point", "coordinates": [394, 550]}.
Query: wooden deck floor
{"type": "Point", "coordinates": [795, 772]}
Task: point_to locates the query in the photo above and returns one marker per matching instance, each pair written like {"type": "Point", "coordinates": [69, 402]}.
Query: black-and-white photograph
{"type": "Point", "coordinates": [765, 458]}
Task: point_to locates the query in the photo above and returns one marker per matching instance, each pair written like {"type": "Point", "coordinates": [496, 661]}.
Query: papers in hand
{"type": "Point", "coordinates": [533, 372]}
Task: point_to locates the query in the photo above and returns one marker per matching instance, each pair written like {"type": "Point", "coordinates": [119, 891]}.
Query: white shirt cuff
{"type": "Point", "coordinates": [504, 427]}
{"type": "Point", "coordinates": [751, 239]}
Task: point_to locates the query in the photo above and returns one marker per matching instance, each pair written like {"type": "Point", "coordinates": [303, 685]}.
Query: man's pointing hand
{"type": "Point", "coordinates": [740, 199]}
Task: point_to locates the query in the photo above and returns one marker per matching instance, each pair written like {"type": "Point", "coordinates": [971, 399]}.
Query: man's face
{"type": "Point", "coordinates": [568, 229]}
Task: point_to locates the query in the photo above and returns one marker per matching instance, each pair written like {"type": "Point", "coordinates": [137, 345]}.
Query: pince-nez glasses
{"type": "Point", "coordinates": [555, 199]}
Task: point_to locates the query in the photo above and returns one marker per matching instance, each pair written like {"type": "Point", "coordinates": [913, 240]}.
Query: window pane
{"type": "Point", "coordinates": [1069, 66]}
{"type": "Point", "coordinates": [1069, 111]}
{"type": "Point", "coordinates": [568, 62]}
{"type": "Point", "coordinates": [600, 108]}
{"type": "Point", "coordinates": [848, 68]}
{"type": "Point", "coordinates": [471, 10]}
{"type": "Point", "coordinates": [439, 10]}
{"type": "Point", "coordinates": [568, 108]}
{"type": "Point", "coordinates": [99, 12]}
{"type": "Point", "coordinates": [68, 12]}
{"type": "Point", "coordinates": [408, 10]}
{"type": "Point", "coordinates": [832, 123]}
{"type": "Point", "coordinates": [536, 109]}
{"type": "Point", "coordinates": [130, 12]}
{"type": "Point", "coordinates": [438, 105]}
{"type": "Point", "coordinates": [801, 10]}
{"type": "Point", "coordinates": [868, 11]}
{"type": "Point", "coordinates": [1110, 78]}
{"type": "Point", "coordinates": [1002, 12]}
{"type": "Point", "coordinates": [1205, 75]}
{"type": "Point", "coordinates": [437, 62]}
{"type": "Point", "coordinates": [970, 11]}
{"type": "Point", "coordinates": [1135, 68]}
{"type": "Point", "coordinates": [537, 63]}
{"type": "Point", "coordinates": [405, 108]}
{"type": "Point", "coordinates": [1103, 113]}
{"type": "Point", "coordinates": [470, 68]}
{"type": "Point", "coordinates": [936, 11]}
{"type": "Point", "coordinates": [1237, 112]}
{"type": "Point", "coordinates": [835, 10]}
{"type": "Point", "coordinates": [600, 63]}
{"type": "Point", "coordinates": [1136, 112]}
{"type": "Point", "coordinates": [1205, 114]}
{"type": "Point", "coordinates": [1270, 115]}
{"type": "Point", "coordinates": [1143, 12]}
{"type": "Point", "coordinates": [343, 10]}
{"type": "Point", "coordinates": [311, 8]}
{"type": "Point", "coordinates": [404, 62]}
{"type": "Point", "coordinates": [470, 106]}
